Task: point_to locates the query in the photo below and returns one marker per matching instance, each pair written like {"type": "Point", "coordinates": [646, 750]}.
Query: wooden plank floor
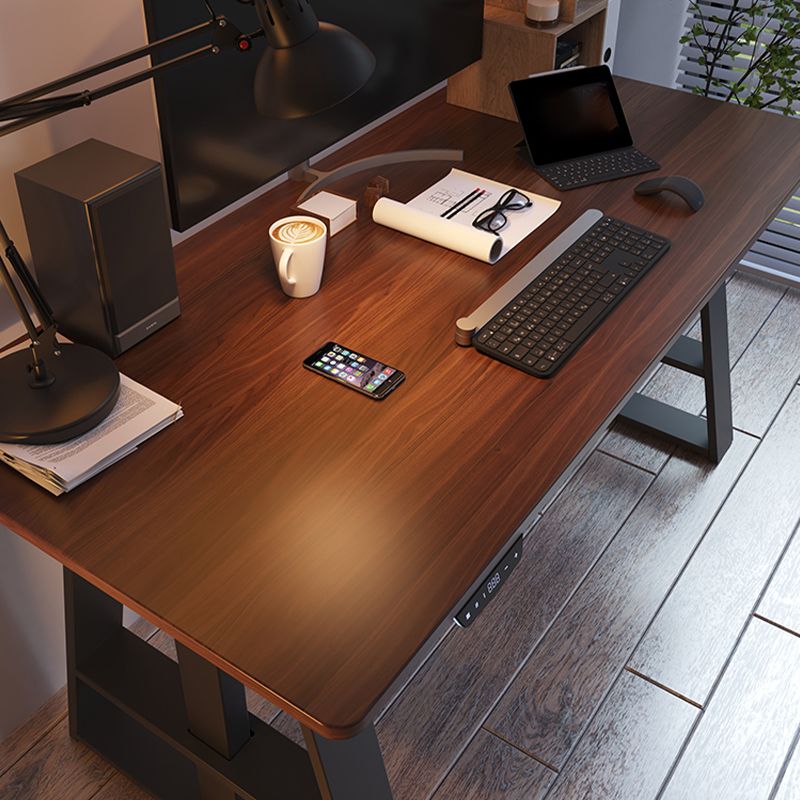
{"type": "Point", "coordinates": [582, 678]}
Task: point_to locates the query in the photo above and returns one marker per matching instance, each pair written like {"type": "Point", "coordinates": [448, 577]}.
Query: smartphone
{"type": "Point", "coordinates": [354, 370]}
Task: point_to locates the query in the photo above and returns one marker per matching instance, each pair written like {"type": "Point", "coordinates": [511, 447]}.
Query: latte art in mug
{"type": "Point", "coordinates": [298, 249]}
{"type": "Point", "coordinates": [299, 232]}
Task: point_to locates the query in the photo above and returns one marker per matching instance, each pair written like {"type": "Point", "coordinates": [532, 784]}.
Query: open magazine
{"type": "Point", "coordinates": [138, 415]}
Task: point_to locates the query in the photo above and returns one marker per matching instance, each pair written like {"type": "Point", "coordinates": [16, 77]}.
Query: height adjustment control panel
{"type": "Point", "coordinates": [488, 591]}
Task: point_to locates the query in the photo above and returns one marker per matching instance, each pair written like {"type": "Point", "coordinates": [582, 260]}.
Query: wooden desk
{"type": "Point", "coordinates": [311, 543]}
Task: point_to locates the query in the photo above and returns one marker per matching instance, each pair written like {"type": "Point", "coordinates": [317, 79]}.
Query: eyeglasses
{"type": "Point", "coordinates": [493, 220]}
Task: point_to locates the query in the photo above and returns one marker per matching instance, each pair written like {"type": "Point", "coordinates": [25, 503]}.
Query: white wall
{"type": "Point", "coordinates": [648, 47]}
{"type": "Point", "coordinates": [31, 630]}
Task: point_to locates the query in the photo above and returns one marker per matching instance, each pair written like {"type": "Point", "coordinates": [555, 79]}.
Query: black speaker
{"type": "Point", "coordinates": [99, 233]}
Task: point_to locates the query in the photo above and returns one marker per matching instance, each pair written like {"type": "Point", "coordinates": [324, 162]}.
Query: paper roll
{"type": "Point", "coordinates": [463, 239]}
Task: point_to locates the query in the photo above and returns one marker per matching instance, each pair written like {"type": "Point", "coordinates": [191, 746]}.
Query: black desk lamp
{"type": "Point", "coordinates": [53, 392]}
{"type": "Point", "coordinates": [309, 66]}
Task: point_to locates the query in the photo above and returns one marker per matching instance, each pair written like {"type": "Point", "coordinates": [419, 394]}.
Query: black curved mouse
{"type": "Point", "coordinates": [683, 187]}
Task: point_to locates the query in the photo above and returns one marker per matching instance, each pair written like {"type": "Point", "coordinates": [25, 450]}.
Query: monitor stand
{"type": "Point", "coordinates": [319, 179]}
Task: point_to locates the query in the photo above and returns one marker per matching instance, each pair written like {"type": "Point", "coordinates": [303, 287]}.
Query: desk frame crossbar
{"type": "Point", "coordinates": [182, 731]}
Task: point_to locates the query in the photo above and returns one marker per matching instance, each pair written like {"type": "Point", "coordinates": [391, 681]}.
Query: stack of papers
{"type": "Point", "coordinates": [138, 415]}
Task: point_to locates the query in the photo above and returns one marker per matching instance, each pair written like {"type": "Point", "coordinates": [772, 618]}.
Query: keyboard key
{"type": "Point", "coordinates": [584, 322]}
{"type": "Point", "coordinates": [607, 279]}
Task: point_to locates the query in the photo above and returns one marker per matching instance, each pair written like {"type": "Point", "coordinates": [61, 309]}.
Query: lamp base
{"type": "Point", "coordinates": [83, 393]}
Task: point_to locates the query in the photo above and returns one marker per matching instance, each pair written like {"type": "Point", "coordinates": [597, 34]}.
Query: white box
{"type": "Point", "coordinates": [337, 211]}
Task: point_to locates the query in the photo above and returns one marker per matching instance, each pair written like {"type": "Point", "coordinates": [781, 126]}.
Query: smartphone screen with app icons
{"type": "Point", "coordinates": [366, 375]}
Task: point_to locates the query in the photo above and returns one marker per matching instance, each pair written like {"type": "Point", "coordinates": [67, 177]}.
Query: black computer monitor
{"type": "Point", "coordinates": [217, 148]}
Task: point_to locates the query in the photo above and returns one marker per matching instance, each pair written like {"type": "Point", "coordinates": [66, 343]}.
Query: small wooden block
{"type": "Point", "coordinates": [378, 187]}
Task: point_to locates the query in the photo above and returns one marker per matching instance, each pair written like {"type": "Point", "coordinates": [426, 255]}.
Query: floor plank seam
{"type": "Point", "coordinates": [782, 772]}
{"type": "Point", "coordinates": [522, 750]}
{"type": "Point", "coordinates": [679, 755]}
{"type": "Point", "coordinates": [625, 461]}
{"type": "Point", "coordinates": [752, 615]}
{"type": "Point", "coordinates": [558, 614]}
{"type": "Point", "coordinates": [524, 661]}
{"type": "Point", "coordinates": [627, 658]}
{"type": "Point", "coordinates": [744, 432]}
{"type": "Point", "coordinates": [699, 542]}
{"type": "Point", "coordinates": [776, 624]}
{"type": "Point", "coordinates": [794, 534]}
{"type": "Point", "coordinates": [663, 687]}
{"type": "Point", "coordinates": [105, 784]}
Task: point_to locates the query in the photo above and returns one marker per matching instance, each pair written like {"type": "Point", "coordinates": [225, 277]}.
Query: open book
{"type": "Point", "coordinates": [138, 415]}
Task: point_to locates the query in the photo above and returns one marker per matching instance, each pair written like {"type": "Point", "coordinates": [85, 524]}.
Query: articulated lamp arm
{"type": "Point", "coordinates": [39, 104]}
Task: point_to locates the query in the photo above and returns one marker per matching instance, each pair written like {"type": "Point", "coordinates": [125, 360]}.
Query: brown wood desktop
{"type": "Point", "coordinates": [313, 544]}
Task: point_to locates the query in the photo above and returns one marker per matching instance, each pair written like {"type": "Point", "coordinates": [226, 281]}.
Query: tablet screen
{"type": "Point", "coordinates": [571, 114]}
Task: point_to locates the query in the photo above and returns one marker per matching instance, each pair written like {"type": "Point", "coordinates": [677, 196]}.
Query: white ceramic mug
{"type": "Point", "coordinates": [298, 246]}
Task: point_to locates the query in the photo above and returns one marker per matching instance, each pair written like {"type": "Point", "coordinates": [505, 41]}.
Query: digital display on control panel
{"type": "Point", "coordinates": [489, 589]}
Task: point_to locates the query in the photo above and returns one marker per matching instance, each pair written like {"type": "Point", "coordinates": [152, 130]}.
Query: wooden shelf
{"type": "Point", "coordinates": [585, 9]}
{"type": "Point", "coordinates": [513, 49]}
{"type": "Point", "coordinates": [571, 11]}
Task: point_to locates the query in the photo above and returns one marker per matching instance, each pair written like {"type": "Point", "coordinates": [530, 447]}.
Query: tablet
{"type": "Point", "coordinates": [570, 114]}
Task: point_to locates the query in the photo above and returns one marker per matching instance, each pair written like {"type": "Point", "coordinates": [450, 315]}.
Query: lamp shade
{"type": "Point", "coordinates": [312, 75]}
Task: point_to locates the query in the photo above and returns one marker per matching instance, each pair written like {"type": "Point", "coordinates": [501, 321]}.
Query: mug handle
{"type": "Point", "coordinates": [283, 267]}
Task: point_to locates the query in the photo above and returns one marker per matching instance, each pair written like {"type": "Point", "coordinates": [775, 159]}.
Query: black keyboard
{"type": "Point", "coordinates": [547, 321]}
{"type": "Point", "coordinates": [597, 168]}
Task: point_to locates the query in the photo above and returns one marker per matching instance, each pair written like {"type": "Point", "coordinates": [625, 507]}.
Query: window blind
{"type": "Point", "coordinates": [777, 252]}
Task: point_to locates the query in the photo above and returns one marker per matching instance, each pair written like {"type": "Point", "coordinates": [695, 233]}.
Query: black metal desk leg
{"type": "Point", "coordinates": [92, 618]}
{"type": "Point", "coordinates": [711, 435]}
{"type": "Point", "coordinates": [349, 769]}
{"type": "Point", "coordinates": [717, 375]}
{"type": "Point", "coordinates": [217, 713]}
